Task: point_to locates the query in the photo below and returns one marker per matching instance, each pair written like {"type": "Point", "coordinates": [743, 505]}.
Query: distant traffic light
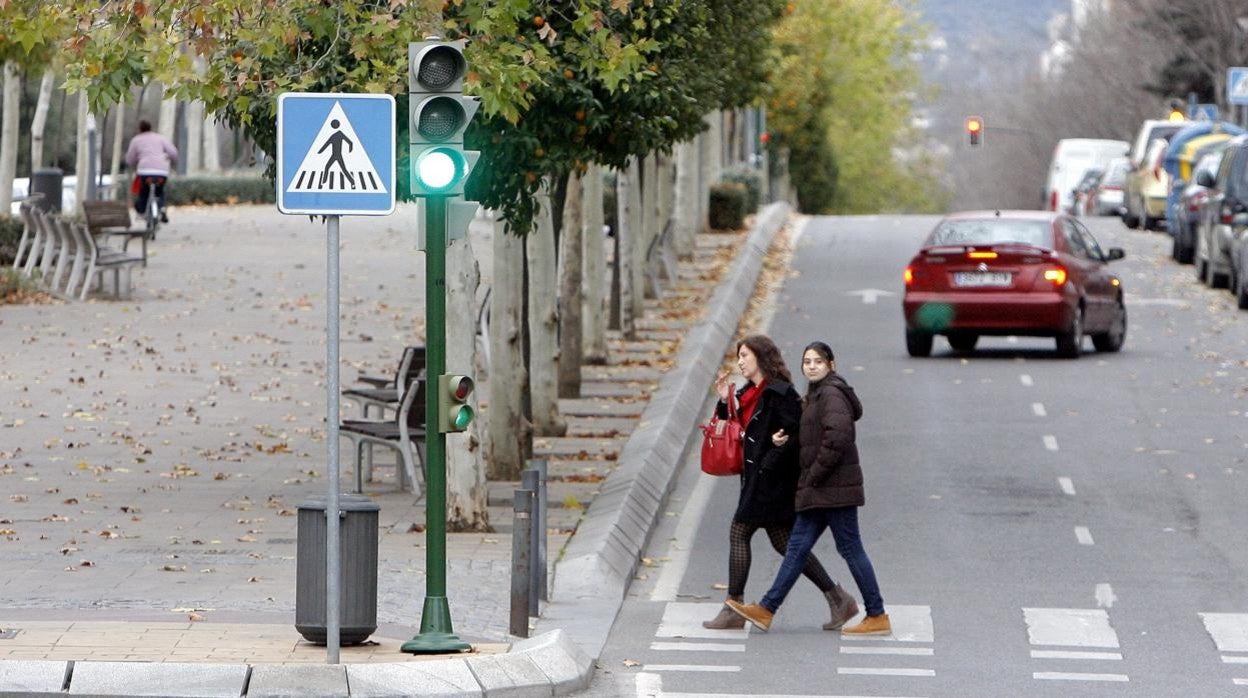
{"type": "Point", "coordinates": [454, 414]}
{"type": "Point", "coordinates": [975, 128]}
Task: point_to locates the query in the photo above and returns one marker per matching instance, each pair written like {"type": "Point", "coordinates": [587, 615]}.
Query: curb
{"type": "Point", "coordinates": [602, 556]}
{"type": "Point", "coordinates": [547, 665]}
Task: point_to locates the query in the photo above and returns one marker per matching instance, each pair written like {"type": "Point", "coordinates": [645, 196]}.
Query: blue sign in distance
{"type": "Point", "coordinates": [335, 154]}
{"type": "Point", "coordinates": [1237, 86]}
{"type": "Point", "coordinates": [1204, 112]}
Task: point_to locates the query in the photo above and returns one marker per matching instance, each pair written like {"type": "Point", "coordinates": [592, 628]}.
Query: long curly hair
{"type": "Point", "coordinates": [770, 362]}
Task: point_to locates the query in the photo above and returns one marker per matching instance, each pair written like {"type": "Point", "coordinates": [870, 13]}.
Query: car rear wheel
{"type": "Point", "coordinates": [963, 341]}
{"type": "Point", "coordinates": [1070, 341]}
{"type": "Point", "coordinates": [1241, 292]}
{"type": "Point", "coordinates": [1201, 269]}
{"type": "Point", "coordinates": [1212, 278]}
{"type": "Point", "coordinates": [1131, 221]}
{"type": "Point", "coordinates": [1117, 334]}
{"type": "Point", "coordinates": [1150, 223]}
{"type": "Point", "coordinates": [918, 343]}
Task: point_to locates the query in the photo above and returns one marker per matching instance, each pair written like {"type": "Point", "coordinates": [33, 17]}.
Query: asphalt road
{"type": "Point", "coordinates": [1039, 526]}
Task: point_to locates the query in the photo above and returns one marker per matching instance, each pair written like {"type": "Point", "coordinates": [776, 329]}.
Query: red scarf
{"type": "Point", "coordinates": [748, 400]}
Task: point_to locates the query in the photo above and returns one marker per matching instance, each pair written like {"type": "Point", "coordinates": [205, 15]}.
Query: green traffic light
{"type": "Point", "coordinates": [463, 417]}
{"type": "Point", "coordinates": [439, 169]}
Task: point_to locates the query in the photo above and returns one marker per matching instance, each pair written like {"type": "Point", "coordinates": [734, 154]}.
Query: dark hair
{"type": "Point", "coordinates": [822, 349]}
{"type": "Point", "coordinates": [770, 362]}
{"type": "Point", "coordinates": [145, 126]}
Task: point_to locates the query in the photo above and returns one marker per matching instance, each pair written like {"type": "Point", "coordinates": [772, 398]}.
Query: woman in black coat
{"type": "Point", "coordinates": [770, 410]}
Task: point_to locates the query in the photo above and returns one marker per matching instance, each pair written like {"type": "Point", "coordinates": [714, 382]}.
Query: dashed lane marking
{"type": "Point", "coordinates": [695, 647]}
{"type": "Point", "coordinates": [911, 651]}
{"type": "Point", "coordinates": [1240, 682]}
{"type": "Point", "coordinates": [1050, 442]}
{"type": "Point", "coordinates": [1038, 409]}
{"type": "Point", "coordinates": [1026, 380]}
{"type": "Point", "coordinates": [1067, 485]}
{"type": "Point", "coordinates": [1070, 654]}
{"type": "Point", "coordinates": [1105, 596]}
{"type": "Point", "coordinates": [1234, 660]}
{"type": "Point", "coordinates": [1084, 536]}
{"type": "Point", "coordinates": [870, 671]}
{"type": "Point", "coordinates": [1071, 676]}
{"type": "Point", "coordinates": [705, 668]}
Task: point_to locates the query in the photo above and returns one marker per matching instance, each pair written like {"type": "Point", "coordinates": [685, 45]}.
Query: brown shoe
{"type": "Point", "coordinates": [842, 605]}
{"type": "Point", "coordinates": [726, 620]}
{"type": "Point", "coordinates": [759, 616]}
{"type": "Point", "coordinates": [871, 625]}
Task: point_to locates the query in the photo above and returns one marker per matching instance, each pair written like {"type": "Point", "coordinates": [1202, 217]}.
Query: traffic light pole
{"type": "Point", "coordinates": [436, 634]}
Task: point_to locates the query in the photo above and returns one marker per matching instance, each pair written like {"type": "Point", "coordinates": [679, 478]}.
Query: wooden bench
{"type": "Point", "coordinates": [113, 218]}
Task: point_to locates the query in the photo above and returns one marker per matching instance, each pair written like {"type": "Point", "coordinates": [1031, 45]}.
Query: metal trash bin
{"type": "Point", "coordinates": [358, 539]}
{"type": "Point", "coordinates": [47, 181]}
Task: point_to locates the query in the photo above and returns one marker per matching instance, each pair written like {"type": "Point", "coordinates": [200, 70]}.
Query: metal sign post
{"type": "Point", "coordinates": [333, 549]}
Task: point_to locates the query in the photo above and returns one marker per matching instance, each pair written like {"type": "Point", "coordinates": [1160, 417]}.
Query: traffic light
{"type": "Point", "coordinates": [439, 115]}
{"type": "Point", "coordinates": [975, 128]}
{"type": "Point", "coordinates": [454, 414]}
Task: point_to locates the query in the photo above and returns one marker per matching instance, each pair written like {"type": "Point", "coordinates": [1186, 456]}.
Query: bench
{"type": "Point", "coordinates": [403, 433]}
{"type": "Point", "coordinates": [109, 218]}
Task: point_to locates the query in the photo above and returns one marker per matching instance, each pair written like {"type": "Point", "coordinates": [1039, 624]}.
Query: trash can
{"type": "Point", "coordinates": [47, 181]}
{"type": "Point", "coordinates": [358, 538]}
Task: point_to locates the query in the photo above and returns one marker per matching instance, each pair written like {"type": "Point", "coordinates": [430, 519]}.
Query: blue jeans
{"type": "Point", "coordinates": [806, 530]}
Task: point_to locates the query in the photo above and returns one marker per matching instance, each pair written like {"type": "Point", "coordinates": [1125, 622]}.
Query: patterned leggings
{"type": "Point", "coordinates": [739, 556]}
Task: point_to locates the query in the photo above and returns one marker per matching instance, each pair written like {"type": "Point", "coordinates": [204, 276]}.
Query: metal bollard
{"type": "Point", "coordinates": [531, 480]}
{"type": "Point", "coordinates": [540, 528]}
{"type": "Point", "coordinates": [521, 542]}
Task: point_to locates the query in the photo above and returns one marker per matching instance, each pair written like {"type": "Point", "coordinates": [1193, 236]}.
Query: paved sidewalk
{"type": "Point", "coordinates": [153, 452]}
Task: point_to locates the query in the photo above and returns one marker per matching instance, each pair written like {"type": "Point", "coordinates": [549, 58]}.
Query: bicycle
{"type": "Point", "coordinates": [152, 213]}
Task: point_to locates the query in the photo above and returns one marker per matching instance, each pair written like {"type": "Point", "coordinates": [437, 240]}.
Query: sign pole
{"type": "Point", "coordinates": [436, 634]}
{"type": "Point", "coordinates": [333, 550]}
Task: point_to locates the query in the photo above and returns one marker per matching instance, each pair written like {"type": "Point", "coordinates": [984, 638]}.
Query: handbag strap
{"type": "Point", "coordinates": [732, 409]}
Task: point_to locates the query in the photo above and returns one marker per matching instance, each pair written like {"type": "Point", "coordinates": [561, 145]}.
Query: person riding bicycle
{"type": "Point", "coordinates": [151, 155]}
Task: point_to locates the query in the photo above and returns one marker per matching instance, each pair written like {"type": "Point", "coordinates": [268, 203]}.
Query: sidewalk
{"type": "Point", "coordinates": [153, 452]}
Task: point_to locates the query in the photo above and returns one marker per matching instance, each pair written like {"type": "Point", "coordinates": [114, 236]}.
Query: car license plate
{"type": "Point", "coordinates": [982, 278]}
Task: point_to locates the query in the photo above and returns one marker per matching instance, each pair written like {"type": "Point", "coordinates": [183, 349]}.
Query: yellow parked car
{"type": "Point", "coordinates": [1148, 184]}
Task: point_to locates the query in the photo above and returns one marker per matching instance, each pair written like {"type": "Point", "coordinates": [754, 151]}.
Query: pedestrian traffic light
{"type": "Point", "coordinates": [454, 414]}
{"type": "Point", "coordinates": [439, 115]}
{"type": "Point", "coordinates": [975, 128]}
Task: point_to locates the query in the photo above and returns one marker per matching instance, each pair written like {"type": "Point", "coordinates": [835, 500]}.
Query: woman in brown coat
{"type": "Point", "coordinates": [829, 492]}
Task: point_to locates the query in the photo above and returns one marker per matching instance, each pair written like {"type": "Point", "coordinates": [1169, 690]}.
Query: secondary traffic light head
{"type": "Point", "coordinates": [439, 114]}
{"type": "Point", "coordinates": [454, 414]}
{"type": "Point", "coordinates": [975, 129]}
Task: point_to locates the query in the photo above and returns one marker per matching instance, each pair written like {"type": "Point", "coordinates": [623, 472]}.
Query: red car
{"type": "Point", "coordinates": [1033, 273]}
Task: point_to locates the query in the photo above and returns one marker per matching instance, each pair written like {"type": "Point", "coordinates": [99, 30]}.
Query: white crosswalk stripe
{"type": "Point", "coordinates": [1230, 635]}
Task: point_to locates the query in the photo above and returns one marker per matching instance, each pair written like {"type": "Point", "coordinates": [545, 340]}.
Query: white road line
{"type": "Point", "coordinates": [912, 651]}
{"type": "Point", "coordinates": [755, 695]}
{"type": "Point", "coordinates": [910, 624]}
{"type": "Point", "coordinates": [1026, 380]}
{"type": "Point", "coordinates": [1065, 676]}
{"type": "Point", "coordinates": [1105, 596]}
{"type": "Point", "coordinates": [668, 584]}
{"type": "Point", "coordinates": [1067, 485]}
{"type": "Point", "coordinates": [696, 647]}
{"type": "Point", "coordinates": [1064, 654]}
{"type": "Point", "coordinates": [649, 685]}
{"type": "Point", "coordinates": [1234, 660]}
{"type": "Point", "coordinates": [693, 667]}
{"type": "Point", "coordinates": [868, 671]}
{"type": "Point", "coordinates": [1229, 630]}
{"type": "Point", "coordinates": [1070, 627]}
{"type": "Point", "coordinates": [1240, 682]}
{"type": "Point", "coordinates": [1038, 409]}
{"type": "Point", "coordinates": [683, 620]}
{"type": "Point", "coordinates": [1050, 442]}
{"type": "Point", "coordinates": [1084, 535]}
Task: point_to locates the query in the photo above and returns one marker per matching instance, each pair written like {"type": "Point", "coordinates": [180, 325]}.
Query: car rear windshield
{"type": "Point", "coordinates": [991, 232]}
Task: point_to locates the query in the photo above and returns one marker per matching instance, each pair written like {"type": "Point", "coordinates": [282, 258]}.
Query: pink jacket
{"type": "Point", "coordinates": [151, 153]}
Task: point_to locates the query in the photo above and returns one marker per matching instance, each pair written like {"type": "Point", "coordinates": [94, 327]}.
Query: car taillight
{"type": "Point", "coordinates": [1056, 275]}
{"type": "Point", "coordinates": [977, 254]}
{"type": "Point", "coordinates": [1111, 187]}
{"type": "Point", "coordinates": [1052, 201]}
{"type": "Point", "coordinates": [908, 275]}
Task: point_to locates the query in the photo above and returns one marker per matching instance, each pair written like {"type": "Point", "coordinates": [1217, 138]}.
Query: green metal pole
{"type": "Point", "coordinates": [436, 634]}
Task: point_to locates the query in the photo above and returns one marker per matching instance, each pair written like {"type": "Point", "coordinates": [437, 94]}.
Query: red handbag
{"type": "Point", "coordinates": [723, 451]}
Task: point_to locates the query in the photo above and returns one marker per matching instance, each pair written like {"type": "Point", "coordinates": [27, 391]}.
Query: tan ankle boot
{"type": "Point", "coordinates": [871, 625]}
{"type": "Point", "coordinates": [753, 612]}
{"type": "Point", "coordinates": [726, 620]}
{"type": "Point", "coordinates": [842, 605]}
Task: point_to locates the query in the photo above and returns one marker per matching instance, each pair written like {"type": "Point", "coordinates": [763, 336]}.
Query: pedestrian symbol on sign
{"type": "Point", "coordinates": [333, 163]}
{"type": "Point", "coordinates": [1237, 86]}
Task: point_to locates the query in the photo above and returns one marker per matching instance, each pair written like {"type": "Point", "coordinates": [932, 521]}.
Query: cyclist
{"type": "Point", "coordinates": [151, 155]}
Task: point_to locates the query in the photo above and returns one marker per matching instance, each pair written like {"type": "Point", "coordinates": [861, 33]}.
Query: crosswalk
{"type": "Point", "coordinates": [1070, 645]}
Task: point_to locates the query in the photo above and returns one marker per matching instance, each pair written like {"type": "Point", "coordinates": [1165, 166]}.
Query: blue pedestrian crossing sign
{"type": "Point", "coordinates": [1237, 86]}
{"type": "Point", "coordinates": [335, 154]}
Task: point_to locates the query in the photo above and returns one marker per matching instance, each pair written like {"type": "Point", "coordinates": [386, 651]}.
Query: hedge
{"type": "Point", "coordinates": [752, 178]}
{"type": "Point", "coordinates": [220, 190]}
{"type": "Point", "coordinates": [10, 235]}
{"type": "Point", "coordinates": [727, 206]}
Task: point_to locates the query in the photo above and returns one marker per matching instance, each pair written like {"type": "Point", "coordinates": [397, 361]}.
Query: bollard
{"type": "Point", "coordinates": [540, 511]}
{"type": "Point", "coordinates": [521, 533]}
{"type": "Point", "coordinates": [530, 480]}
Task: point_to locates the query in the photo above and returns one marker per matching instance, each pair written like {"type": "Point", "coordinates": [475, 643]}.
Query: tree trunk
{"type": "Point", "coordinates": [637, 250]}
{"type": "Point", "coordinates": [119, 149]}
{"type": "Point", "coordinates": [465, 469]}
{"type": "Point", "coordinates": [594, 282]}
{"type": "Point", "coordinates": [509, 433]}
{"type": "Point", "coordinates": [663, 204]}
{"type": "Point", "coordinates": [712, 161]}
{"type": "Point", "coordinates": [544, 321]}
{"type": "Point", "coordinates": [648, 215]}
{"type": "Point", "coordinates": [168, 126]}
{"type": "Point", "coordinates": [194, 137]}
{"type": "Point", "coordinates": [39, 124]}
{"type": "Point", "coordinates": [9, 137]}
{"type": "Point", "coordinates": [685, 203]}
{"type": "Point", "coordinates": [570, 263]}
{"type": "Point", "coordinates": [82, 164]}
{"type": "Point", "coordinates": [212, 145]}
{"type": "Point", "coordinates": [624, 257]}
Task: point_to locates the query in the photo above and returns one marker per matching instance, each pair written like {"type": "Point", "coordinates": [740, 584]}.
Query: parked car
{"type": "Point", "coordinates": [1228, 196]}
{"type": "Point", "coordinates": [1185, 148]}
{"type": "Point", "coordinates": [1072, 157]}
{"type": "Point", "coordinates": [1147, 184]}
{"type": "Point", "coordinates": [1190, 202]}
{"type": "Point", "coordinates": [1239, 260]}
{"type": "Point", "coordinates": [1107, 197]}
{"type": "Point", "coordinates": [1081, 197]}
{"type": "Point", "coordinates": [1013, 273]}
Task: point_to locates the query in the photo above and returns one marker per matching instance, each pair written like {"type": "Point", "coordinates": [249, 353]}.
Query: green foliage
{"type": "Point", "coordinates": [10, 235]}
{"type": "Point", "coordinates": [727, 206]}
{"type": "Point", "coordinates": [14, 283]}
{"type": "Point", "coordinates": [220, 190]}
{"type": "Point", "coordinates": [752, 179]}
